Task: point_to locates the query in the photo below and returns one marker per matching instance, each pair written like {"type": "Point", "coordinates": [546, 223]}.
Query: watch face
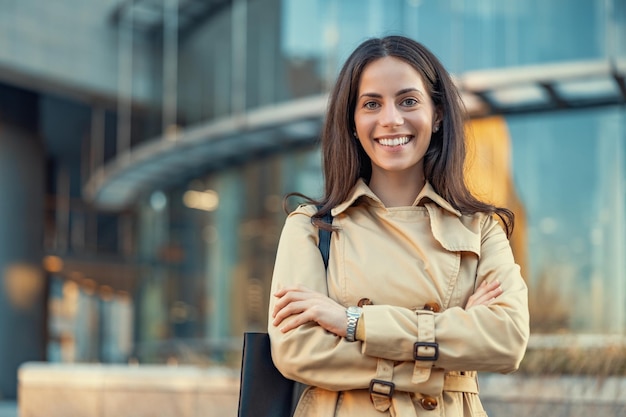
{"type": "Point", "coordinates": [352, 310]}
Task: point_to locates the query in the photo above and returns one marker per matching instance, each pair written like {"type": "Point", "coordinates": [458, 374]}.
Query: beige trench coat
{"type": "Point", "coordinates": [402, 259]}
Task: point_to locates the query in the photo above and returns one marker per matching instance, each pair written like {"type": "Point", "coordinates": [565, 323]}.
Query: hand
{"type": "Point", "coordinates": [299, 305]}
{"type": "Point", "coordinates": [485, 294]}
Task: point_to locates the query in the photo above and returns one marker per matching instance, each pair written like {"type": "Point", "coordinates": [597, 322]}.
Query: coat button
{"type": "Point", "coordinates": [428, 403]}
{"type": "Point", "coordinates": [432, 306]}
{"type": "Point", "coordinates": [364, 302]}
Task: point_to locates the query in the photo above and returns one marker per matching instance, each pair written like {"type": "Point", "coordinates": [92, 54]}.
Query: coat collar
{"type": "Point", "coordinates": [450, 228]}
{"type": "Point", "coordinates": [361, 189]}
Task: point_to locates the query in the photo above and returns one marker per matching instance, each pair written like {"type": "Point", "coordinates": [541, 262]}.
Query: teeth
{"type": "Point", "coordinates": [394, 141]}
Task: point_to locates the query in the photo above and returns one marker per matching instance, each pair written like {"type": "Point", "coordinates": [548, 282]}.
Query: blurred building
{"type": "Point", "coordinates": [145, 146]}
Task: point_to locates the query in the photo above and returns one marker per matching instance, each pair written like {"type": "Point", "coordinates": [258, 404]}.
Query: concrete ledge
{"type": "Point", "coordinates": [550, 396]}
{"type": "Point", "coordinates": [92, 390]}
{"type": "Point", "coordinates": [554, 388]}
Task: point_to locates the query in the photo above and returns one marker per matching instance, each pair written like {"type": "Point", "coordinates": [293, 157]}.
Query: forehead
{"type": "Point", "coordinates": [390, 72]}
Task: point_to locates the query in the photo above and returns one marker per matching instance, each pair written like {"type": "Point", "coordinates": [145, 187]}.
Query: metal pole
{"type": "Point", "coordinates": [125, 82]}
{"type": "Point", "coordinates": [96, 148]}
{"type": "Point", "coordinates": [170, 68]}
{"type": "Point", "coordinates": [239, 35]}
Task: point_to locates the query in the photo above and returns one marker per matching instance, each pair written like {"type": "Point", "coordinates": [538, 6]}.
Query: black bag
{"type": "Point", "coordinates": [263, 390]}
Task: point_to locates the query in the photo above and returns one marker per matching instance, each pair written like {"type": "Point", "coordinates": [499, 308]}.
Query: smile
{"type": "Point", "coordinates": [403, 140]}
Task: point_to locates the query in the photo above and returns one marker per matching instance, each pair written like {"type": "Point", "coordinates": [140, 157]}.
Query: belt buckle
{"type": "Point", "coordinates": [391, 385]}
{"type": "Point", "coordinates": [419, 357]}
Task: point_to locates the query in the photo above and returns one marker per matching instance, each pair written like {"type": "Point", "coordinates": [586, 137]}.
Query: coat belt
{"type": "Point", "coordinates": [453, 381]}
{"type": "Point", "coordinates": [402, 402]}
{"type": "Point", "coordinates": [460, 383]}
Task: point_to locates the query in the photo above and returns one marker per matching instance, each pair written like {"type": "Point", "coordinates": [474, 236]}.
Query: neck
{"type": "Point", "coordinates": [396, 189]}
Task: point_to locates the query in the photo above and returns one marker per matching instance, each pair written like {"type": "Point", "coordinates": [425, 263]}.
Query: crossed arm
{"type": "Point", "coordinates": [302, 305]}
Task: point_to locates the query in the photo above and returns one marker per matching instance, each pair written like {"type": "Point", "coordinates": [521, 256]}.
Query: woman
{"type": "Point", "coordinates": [421, 289]}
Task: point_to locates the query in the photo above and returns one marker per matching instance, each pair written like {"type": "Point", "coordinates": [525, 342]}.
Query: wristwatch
{"type": "Point", "coordinates": [353, 313]}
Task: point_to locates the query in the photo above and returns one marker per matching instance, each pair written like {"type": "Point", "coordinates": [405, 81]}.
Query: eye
{"type": "Point", "coordinates": [371, 105]}
{"type": "Point", "coordinates": [409, 102]}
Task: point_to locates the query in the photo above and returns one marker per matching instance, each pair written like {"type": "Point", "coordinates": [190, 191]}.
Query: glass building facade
{"type": "Point", "coordinates": [205, 240]}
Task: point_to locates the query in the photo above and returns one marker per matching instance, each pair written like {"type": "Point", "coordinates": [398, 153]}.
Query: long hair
{"type": "Point", "coordinates": [344, 160]}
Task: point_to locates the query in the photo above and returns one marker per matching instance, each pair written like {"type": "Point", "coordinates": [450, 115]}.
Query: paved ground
{"type": "Point", "coordinates": [493, 408]}
{"type": "Point", "coordinates": [552, 409]}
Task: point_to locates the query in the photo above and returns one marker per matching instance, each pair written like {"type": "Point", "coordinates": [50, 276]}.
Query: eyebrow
{"type": "Point", "coordinates": [399, 93]}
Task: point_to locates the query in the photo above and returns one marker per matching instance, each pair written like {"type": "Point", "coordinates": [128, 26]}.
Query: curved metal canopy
{"type": "Point", "coordinates": [222, 143]}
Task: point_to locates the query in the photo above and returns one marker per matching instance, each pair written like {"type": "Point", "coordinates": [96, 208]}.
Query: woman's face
{"type": "Point", "coordinates": [394, 117]}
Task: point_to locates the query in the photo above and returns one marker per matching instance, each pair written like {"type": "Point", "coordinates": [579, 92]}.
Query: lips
{"type": "Point", "coordinates": [397, 141]}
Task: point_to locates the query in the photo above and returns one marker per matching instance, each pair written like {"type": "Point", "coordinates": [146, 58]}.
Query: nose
{"type": "Point", "coordinates": [391, 117]}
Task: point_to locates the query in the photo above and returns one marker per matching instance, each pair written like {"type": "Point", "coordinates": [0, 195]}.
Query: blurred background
{"type": "Point", "coordinates": [146, 145]}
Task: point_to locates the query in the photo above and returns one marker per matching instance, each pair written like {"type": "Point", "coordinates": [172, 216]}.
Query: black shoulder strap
{"type": "Point", "coordinates": [324, 246]}
{"type": "Point", "coordinates": [324, 243]}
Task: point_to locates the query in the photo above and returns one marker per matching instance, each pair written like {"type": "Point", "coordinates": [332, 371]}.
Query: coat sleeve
{"type": "Point", "coordinates": [483, 338]}
{"type": "Point", "coordinates": [309, 354]}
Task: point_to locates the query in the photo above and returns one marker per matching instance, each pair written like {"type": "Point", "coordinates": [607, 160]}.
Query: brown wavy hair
{"type": "Point", "coordinates": [344, 160]}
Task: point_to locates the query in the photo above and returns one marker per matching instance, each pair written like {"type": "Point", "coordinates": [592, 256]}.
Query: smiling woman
{"type": "Point", "coordinates": [421, 289]}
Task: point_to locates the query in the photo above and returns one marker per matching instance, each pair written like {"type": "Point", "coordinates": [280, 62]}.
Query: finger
{"type": "Point", "coordinates": [487, 295]}
{"type": "Point", "coordinates": [485, 292]}
{"type": "Point", "coordinates": [493, 293]}
{"type": "Point", "coordinates": [485, 288]}
{"type": "Point", "coordinates": [282, 291]}
{"type": "Point", "coordinates": [291, 320]}
{"type": "Point", "coordinates": [285, 296]}
{"type": "Point", "coordinates": [293, 323]}
{"type": "Point", "coordinates": [283, 308]}
{"type": "Point", "coordinates": [281, 303]}
{"type": "Point", "coordinates": [486, 298]}
{"type": "Point", "coordinates": [291, 309]}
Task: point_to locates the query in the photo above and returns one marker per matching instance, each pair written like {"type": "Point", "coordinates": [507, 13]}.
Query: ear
{"type": "Point", "coordinates": [438, 117]}
{"type": "Point", "coordinates": [437, 121]}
